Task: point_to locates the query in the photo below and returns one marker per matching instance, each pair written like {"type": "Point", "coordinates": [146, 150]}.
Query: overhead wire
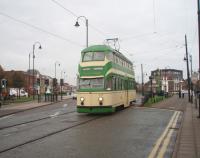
{"type": "Point", "coordinates": [75, 15]}
{"type": "Point", "coordinates": [40, 29]}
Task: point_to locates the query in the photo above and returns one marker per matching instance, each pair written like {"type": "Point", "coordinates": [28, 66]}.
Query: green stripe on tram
{"type": "Point", "coordinates": [96, 110]}
{"type": "Point", "coordinates": [96, 71]}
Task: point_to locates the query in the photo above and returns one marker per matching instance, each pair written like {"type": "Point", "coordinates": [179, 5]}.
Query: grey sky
{"type": "Point", "coordinates": [132, 21]}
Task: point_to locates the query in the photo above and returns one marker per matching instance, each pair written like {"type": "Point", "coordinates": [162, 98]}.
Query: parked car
{"type": "Point", "coordinates": [15, 92]}
{"type": "Point", "coordinates": [23, 93]}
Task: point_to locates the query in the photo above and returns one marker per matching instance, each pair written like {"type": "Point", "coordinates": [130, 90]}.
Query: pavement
{"type": "Point", "coordinates": [20, 107]}
{"type": "Point", "coordinates": [188, 139]}
{"type": "Point", "coordinates": [188, 142]}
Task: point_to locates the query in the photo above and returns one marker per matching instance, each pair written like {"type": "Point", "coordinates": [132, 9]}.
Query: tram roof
{"type": "Point", "coordinates": [105, 48]}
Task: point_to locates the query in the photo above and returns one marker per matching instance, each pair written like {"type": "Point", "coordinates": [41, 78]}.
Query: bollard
{"type": "Point", "coordinates": [195, 100]}
{"type": "Point", "coordinates": [51, 98]}
{"type": "Point", "coordinates": [192, 98]}
{"type": "Point", "coordinates": [199, 105]}
{"type": "Point", "coordinates": [38, 98]}
{"type": "Point", "coordinates": [45, 97]}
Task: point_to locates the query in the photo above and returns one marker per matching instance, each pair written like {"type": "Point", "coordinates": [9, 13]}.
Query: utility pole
{"type": "Point", "coordinates": [188, 71]}
{"type": "Point", "coordinates": [142, 80]}
{"type": "Point", "coordinates": [29, 72]}
{"type": "Point", "coordinates": [191, 84]}
{"type": "Point", "coordinates": [198, 12]}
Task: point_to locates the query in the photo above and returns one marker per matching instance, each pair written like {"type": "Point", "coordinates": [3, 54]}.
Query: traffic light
{"type": "Point", "coordinates": [46, 82]}
{"type": "Point", "coordinates": [38, 81]}
{"type": "Point", "coordinates": [4, 83]}
{"type": "Point", "coordinates": [54, 82]}
{"type": "Point", "coordinates": [61, 82]}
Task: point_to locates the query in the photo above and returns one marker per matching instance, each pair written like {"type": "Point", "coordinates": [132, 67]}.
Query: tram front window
{"type": "Point", "coordinates": [93, 56]}
{"type": "Point", "coordinates": [91, 83]}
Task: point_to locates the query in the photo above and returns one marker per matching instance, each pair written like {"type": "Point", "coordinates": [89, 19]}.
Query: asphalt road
{"type": "Point", "coordinates": [130, 133]}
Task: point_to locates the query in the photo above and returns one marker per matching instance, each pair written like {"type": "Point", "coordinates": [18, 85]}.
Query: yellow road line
{"type": "Point", "coordinates": [167, 139]}
{"type": "Point", "coordinates": [158, 142]}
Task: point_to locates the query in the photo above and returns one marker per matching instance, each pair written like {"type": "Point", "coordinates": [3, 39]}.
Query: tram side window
{"type": "Point", "coordinates": [109, 56]}
{"type": "Point", "coordinates": [114, 83]}
{"type": "Point", "coordinates": [109, 84]}
{"type": "Point", "coordinates": [120, 84]}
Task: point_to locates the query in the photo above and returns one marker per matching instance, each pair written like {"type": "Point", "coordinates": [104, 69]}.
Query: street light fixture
{"type": "Point", "coordinates": [39, 47]}
{"type": "Point", "coordinates": [86, 24]}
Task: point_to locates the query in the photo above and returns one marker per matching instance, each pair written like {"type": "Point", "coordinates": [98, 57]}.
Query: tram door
{"type": "Point", "coordinates": [126, 93]}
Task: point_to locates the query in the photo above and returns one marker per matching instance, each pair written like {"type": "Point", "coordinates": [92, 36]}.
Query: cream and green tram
{"type": "Point", "coordinates": [106, 80]}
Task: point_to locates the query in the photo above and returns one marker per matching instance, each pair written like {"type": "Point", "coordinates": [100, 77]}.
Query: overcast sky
{"type": "Point", "coordinates": [150, 32]}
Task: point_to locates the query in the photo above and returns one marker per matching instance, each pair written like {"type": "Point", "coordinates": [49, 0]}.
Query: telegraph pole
{"type": "Point", "coordinates": [142, 80]}
{"type": "Point", "coordinates": [188, 71]}
{"type": "Point", "coordinates": [191, 84]}
{"type": "Point", "coordinates": [198, 12]}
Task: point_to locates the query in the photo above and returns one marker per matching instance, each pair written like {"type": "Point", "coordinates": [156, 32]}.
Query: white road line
{"type": "Point", "coordinates": [65, 105]}
{"type": "Point", "coordinates": [5, 117]}
{"type": "Point", "coordinates": [168, 137]}
{"type": "Point", "coordinates": [159, 141]}
{"type": "Point", "coordinates": [55, 114]}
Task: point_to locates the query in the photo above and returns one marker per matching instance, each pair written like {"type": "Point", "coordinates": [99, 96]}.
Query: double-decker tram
{"type": "Point", "coordinates": [106, 80]}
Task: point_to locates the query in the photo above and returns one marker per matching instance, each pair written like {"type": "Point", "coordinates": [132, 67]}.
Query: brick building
{"type": "Point", "coordinates": [167, 80]}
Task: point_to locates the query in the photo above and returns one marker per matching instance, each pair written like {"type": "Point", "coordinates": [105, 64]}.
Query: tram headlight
{"type": "Point", "coordinates": [100, 100]}
{"type": "Point", "coordinates": [82, 100]}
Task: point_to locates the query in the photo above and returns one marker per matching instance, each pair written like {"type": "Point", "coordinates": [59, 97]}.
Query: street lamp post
{"type": "Point", "coordinates": [188, 71]}
{"type": "Point", "coordinates": [61, 84]}
{"type": "Point", "coordinates": [55, 86]}
{"type": "Point", "coordinates": [29, 78]}
{"type": "Point", "coordinates": [191, 84]}
{"type": "Point", "coordinates": [55, 66]}
{"type": "Point", "coordinates": [86, 24]}
{"type": "Point", "coordinates": [151, 78]}
{"type": "Point", "coordinates": [166, 81]}
{"type": "Point", "coordinates": [40, 47]}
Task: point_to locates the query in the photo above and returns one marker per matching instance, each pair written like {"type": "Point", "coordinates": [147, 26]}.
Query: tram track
{"type": "Point", "coordinates": [32, 108]}
{"type": "Point", "coordinates": [35, 120]}
{"type": "Point", "coordinates": [49, 134]}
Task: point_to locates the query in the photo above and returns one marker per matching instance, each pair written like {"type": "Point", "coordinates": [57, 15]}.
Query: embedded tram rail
{"type": "Point", "coordinates": [49, 134]}
{"type": "Point", "coordinates": [36, 120]}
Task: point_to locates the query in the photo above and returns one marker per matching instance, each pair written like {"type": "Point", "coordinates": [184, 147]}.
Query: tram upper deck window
{"type": "Point", "coordinates": [85, 83]}
{"type": "Point", "coordinates": [93, 56]}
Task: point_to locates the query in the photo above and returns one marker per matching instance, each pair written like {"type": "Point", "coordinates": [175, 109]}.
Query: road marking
{"type": "Point", "coordinates": [55, 114]}
{"type": "Point", "coordinates": [5, 117]}
{"type": "Point", "coordinates": [65, 105]}
{"type": "Point", "coordinates": [6, 135]}
{"type": "Point", "coordinates": [168, 137]}
{"type": "Point", "coordinates": [159, 141]}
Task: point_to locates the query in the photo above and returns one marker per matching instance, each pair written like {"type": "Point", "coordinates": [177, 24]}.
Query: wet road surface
{"type": "Point", "coordinates": [132, 132]}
